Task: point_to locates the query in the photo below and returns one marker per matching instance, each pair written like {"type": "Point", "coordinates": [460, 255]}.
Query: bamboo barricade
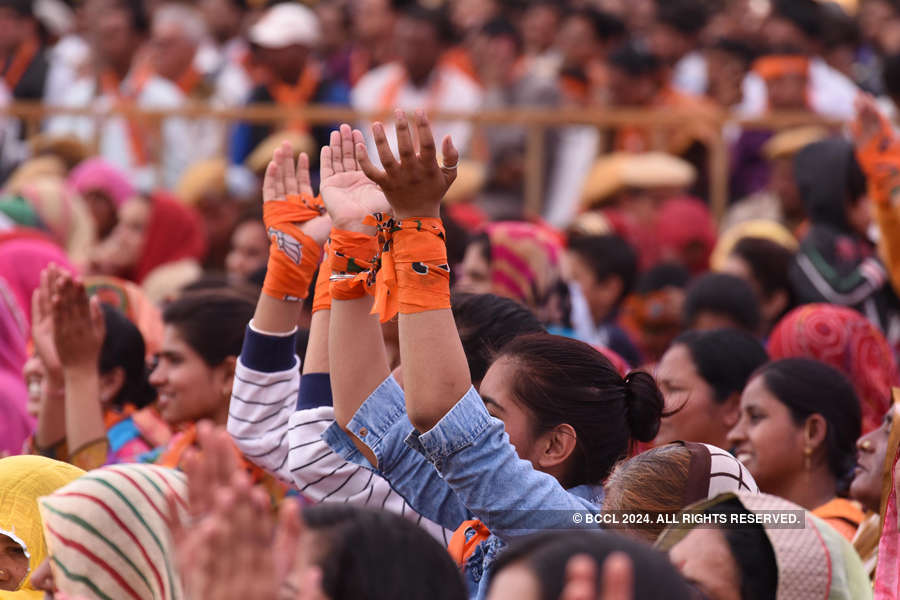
{"type": "Point", "coordinates": [535, 121]}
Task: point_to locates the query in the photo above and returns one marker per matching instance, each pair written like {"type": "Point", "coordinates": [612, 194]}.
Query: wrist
{"type": "Point", "coordinates": [354, 227]}
{"type": "Point", "coordinates": [434, 213]}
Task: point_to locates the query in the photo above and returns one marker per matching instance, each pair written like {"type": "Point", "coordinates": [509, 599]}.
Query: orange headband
{"type": "Point", "coordinates": [776, 66]}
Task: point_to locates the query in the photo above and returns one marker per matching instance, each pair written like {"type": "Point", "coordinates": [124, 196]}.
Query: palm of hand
{"type": "Point", "coordinates": [350, 196]}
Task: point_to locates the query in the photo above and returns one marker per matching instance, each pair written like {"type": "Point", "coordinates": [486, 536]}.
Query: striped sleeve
{"type": "Point", "coordinates": [261, 404]}
{"type": "Point", "coordinates": [322, 475]}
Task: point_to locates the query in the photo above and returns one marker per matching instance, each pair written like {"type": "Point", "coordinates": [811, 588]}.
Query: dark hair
{"type": "Point", "coordinates": [684, 16]}
{"type": "Point", "coordinates": [136, 10]}
{"type": "Point", "coordinates": [23, 7]}
{"type": "Point", "coordinates": [769, 263]}
{"type": "Point", "coordinates": [661, 276]}
{"type": "Point", "coordinates": [890, 75]}
{"type": "Point", "coordinates": [606, 26]}
{"type": "Point", "coordinates": [123, 347]}
{"type": "Point", "coordinates": [212, 323]}
{"type": "Point", "coordinates": [722, 294]}
{"type": "Point", "coordinates": [435, 17]}
{"type": "Point", "coordinates": [547, 554]}
{"type": "Point", "coordinates": [501, 27]}
{"type": "Point", "coordinates": [737, 48]}
{"type": "Point", "coordinates": [359, 552]}
{"type": "Point", "coordinates": [607, 256]}
{"type": "Point", "coordinates": [724, 358]}
{"type": "Point", "coordinates": [806, 387]}
{"type": "Point", "coordinates": [753, 553]}
{"type": "Point", "coordinates": [561, 380]}
{"type": "Point", "coordinates": [635, 59]}
{"type": "Point", "coordinates": [486, 323]}
{"type": "Point", "coordinates": [806, 15]}
{"type": "Point", "coordinates": [839, 28]}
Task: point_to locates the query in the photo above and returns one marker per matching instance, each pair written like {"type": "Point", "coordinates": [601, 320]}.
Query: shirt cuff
{"type": "Point", "coordinates": [384, 409]}
{"type": "Point", "coordinates": [315, 391]}
{"type": "Point", "coordinates": [269, 353]}
{"type": "Point", "coordinates": [457, 429]}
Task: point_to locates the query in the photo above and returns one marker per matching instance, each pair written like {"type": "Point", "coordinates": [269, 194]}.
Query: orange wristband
{"type": "Point", "coordinates": [413, 275]}
{"type": "Point", "coordinates": [322, 293]}
{"type": "Point", "coordinates": [293, 255]}
{"type": "Point", "coordinates": [352, 261]}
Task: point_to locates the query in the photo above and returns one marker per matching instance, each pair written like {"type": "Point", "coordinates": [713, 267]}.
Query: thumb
{"type": "Point", "coordinates": [450, 161]}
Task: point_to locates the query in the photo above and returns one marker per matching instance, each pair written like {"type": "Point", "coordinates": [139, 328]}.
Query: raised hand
{"type": "Point", "coordinates": [414, 184]}
{"type": "Point", "coordinates": [617, 582]}
{"type": "Point", "coordinates": [869, 122]}
{"type": "Point", "coordinates": [282, 179]}
{"type": "Point", "coordinates": [78, 325]}
{"type": "Point", "coordinates": [348, 194]}
{"type": "Point", "coordinates": [234, 549]}
{"type": "Point", "coordinates": [42, 323]}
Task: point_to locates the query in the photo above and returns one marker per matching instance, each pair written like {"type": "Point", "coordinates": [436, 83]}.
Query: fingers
{"type": "Point", "coordinates": [288, 173]}
{"type": "Point", "coordinates": [287, 537]}
{"type": "Point", "coordinates": [304, 181]}
{"type": "Point", "coordinates": [427, 149]}
{"type": "Point", "coordinates": [581, 579]}
{"type": "Point", "coordinates": [278, 191]}
{"type": "Point", "coordinates": [269, 191]}
{"type": "Point", "coordinates": [618, 578]}
{"type": "Point", "coordinates": [97, 319]}
{"type": "Point", "coordinates": [404, 140]}
{"type": "Point", "coordinates": [334, 143]}
{"type": "Point", "coordinates": [451, 160]}
{"type": "Point", "coordinates": [326, 170]}
{"type": "Point", "coordinates": [371, 171]}
{"type": "Point", "coordinates": [384, 149]}
{"type": "Point", "coordinates": [348, 155]}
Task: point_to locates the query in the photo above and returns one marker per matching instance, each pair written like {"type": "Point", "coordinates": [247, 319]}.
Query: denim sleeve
{"type": "Point", "coordinates": [381, 423]}
{"type": "Point", "coordinates": [471, 451]}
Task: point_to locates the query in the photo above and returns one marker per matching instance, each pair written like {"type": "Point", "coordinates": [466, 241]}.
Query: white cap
{"type": "Point", "coordinates": [286, 24]}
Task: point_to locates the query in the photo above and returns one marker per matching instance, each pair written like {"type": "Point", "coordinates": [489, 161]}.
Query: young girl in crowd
{"type": "Point", "coordinates": [701, 376]}
{"type": "Point", "coordinates": [797, 433]}
{"type": "Point", "coordinates": [553, 415]}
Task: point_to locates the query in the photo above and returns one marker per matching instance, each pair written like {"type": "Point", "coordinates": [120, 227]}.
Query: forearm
{"type": "Point", "coordinates": [275, 316]}
{"type": "Point", "coordinates": [316, 360]}
{"type": "Point", "coordinates": [51, 427]}
{"type": "Point", "coordinates": [84, 416]}
{"type": "Point", "coordinates": [357, 359]}
{"type": "Point", "coordinates": [435, 371]}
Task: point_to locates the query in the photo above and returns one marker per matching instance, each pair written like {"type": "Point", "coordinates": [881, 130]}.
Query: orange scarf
{"type": "Point", "coordinates": [189, 80]}
{"type": "Point", "coordinates": [22, 58]}
{"type": "Point", "coordinates": [298, 94]}
{"type": "Point", "coordinates": [112, 87]}
{"type": "Point", "coordinates": [462, 544]}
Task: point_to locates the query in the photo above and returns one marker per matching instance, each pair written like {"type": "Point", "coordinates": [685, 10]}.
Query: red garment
{"type": "Point", "coordinates": [175, 233]}
{"type": "Point", "coordinates": [846, 340]}
{"type": "Point", "coordinates": [686, 233]}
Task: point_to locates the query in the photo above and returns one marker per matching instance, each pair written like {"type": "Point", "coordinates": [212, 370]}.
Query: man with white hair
{"type": "Point", "coordinates": [283, 41]}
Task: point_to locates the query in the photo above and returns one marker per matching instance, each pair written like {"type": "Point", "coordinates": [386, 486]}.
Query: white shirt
{"type": "Point", "coordinates": [448, 90]}
{"type": "Point", "coordinates": [177, 150]}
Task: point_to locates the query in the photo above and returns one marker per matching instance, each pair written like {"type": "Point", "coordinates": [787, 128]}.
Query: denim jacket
{"type": "Point", "coordinates": [463, 468]}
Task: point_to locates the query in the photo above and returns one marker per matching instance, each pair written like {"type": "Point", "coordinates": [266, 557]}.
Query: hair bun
{"type": "Point", "coordinates": [644, 405]}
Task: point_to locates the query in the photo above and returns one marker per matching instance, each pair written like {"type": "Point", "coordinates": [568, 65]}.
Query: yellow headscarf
{"type": "Point", "coordinates": [24, 479]}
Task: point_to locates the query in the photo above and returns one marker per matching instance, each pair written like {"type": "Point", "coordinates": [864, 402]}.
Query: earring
{"type": "Point", "coordinates": [807, 458]}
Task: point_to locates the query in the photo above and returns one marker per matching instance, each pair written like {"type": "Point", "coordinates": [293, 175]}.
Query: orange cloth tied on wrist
{"type": "Point", "coordinates": [322, 294]}
{"type": "Point", "coordinates": [411, 273]}
{"type": "Point", "coordinates": [879, 159]}
{"type": "Point", "coordinates": [293, 255]}
{"type": "Point", "coordinates": [353, 254]}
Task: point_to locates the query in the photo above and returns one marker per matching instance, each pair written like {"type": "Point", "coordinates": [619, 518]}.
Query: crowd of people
{"type": "Point", "coordinates": [284, 359]}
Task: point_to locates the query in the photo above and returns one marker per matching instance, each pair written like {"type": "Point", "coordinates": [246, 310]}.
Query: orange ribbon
{"type": "Point", "coordinates": [353, 254]}
{"type": "Point", "coordinates": [293, 256]}
{"type": "Point", "coordinates": [20, 62]}
{"type": "Point", "coordinates": [322, 293]}
{"type": "Point", "coordinates": [111, 86]}
{"type": "Point", "coordinates": [879, 159]}
{"type": "Point", "coordinates": [411, 270]}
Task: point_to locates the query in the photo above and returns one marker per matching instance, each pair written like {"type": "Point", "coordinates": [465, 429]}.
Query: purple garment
{"type": "Point", "coordinates": [750, 171]}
